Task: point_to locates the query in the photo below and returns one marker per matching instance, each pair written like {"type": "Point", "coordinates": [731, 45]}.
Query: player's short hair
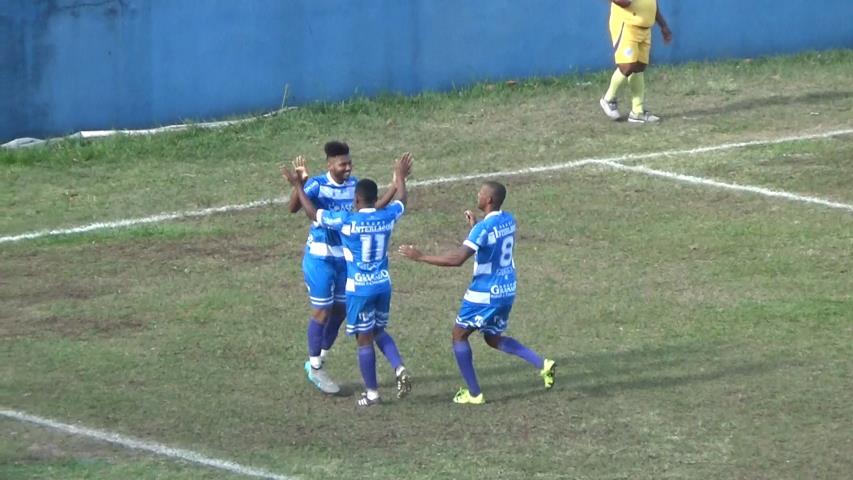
{"type": "Point", "coordinates": [498, 192]}
{"type": "Point", "coordinates": [367, 190]}
{"type": "Point", "coordinates": [336, 149]}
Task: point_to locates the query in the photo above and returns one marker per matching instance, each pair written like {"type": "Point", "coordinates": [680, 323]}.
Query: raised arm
{"type": "Point", "coordinates": [402, 169]}
{"type": "Point", "coordinates": [300, 167]}
{"type": "Point", "coordinates": [391, 193]}
{"type": "Point", "coordinates": [453, 258]}
{"type": "Point", "coordinates": [388, 195]}
{"type": "Point", "coordinates": [295, 179]}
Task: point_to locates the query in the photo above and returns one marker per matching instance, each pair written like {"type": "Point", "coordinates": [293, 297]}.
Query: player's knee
{"type": "Point", "coordinates": [630, 68]}
{"type": "Point", "coordinates": [460, 334]}
{"type": "Point", "coordinates": [493, 341]}
{"type": "Point", "coordinates": [321, 315]}
{"type": "Point", "coordinates": [364, 339]}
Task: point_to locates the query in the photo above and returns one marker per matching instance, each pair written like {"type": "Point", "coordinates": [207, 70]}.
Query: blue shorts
{"type": "Point", "coordinates": [365, 314]}
{"type": "Point", "coordinates": [325, 279]}
{"type": "Point", "coordinates": [488, 319]}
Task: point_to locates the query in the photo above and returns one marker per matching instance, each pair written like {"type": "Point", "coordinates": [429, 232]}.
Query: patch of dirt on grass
{"type": "Point", "coordinates": [40, 447]}
{"type": "Point", "coordinates": [41, 292]}
{"type": "Point", "coordinates": [19, 324]}
{"type": "Point", "coordinates": [35, 281]}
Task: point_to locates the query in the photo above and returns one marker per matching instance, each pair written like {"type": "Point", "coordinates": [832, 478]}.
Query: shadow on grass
{"type": "Point", "coordinates": [606, 374]}
{"type": "Point", "coordinates": [752, 103]}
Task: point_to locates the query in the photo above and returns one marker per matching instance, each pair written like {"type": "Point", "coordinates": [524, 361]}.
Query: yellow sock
{"type": "Point", "coordinates": [616, 82]}
{"type": "Point", "coordinates": [637, 82]}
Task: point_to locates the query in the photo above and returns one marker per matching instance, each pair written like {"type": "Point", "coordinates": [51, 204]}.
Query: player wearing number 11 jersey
{"type": "Point", "coordinates": [488, 300]}
{"type": "Point", "coordinates": [366, 234]}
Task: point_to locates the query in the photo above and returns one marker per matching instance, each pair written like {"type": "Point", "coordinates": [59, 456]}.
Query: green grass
{"type": "Point", "coordinates": [700, 333]}
{"type": "Point", "coordinates": [30, 452]}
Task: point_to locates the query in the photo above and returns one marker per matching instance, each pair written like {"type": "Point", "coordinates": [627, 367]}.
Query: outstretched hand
{"type": "Point", "coordinates": [409, 251]}
{"type": "Point", "coordinates": [300, 165]}
{"type": "Point", "coordinates": [293, 178]}
{"type": "Point", "coordinates": [403, 166]}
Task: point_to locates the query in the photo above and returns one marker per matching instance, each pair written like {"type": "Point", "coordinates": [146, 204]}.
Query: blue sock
{"type": "Point", "coordinates": [388, 348]}
{"type": "Point", "coordinates": [514, 347]}
{"type": "Point", "coordinates": [315, 337]}
{"type": "Point", "coordinates": [330, 332]}
{"type": "Point", "coordinates": [465, 360]}
{"type": "Point", "coordinates": [367, 364]}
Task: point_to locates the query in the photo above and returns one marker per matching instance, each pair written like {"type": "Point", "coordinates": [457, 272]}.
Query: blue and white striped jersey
{"type": "Point", "coordinates": [366, 235]}
{"type": "Point", "coordinates": [494, 268]}
{"type": "Point", "coordinates": [328, 195]}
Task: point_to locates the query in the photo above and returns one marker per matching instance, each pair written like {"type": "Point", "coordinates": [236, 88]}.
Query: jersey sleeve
{"type": "Point", "coordinates": [397, 208]}
{"type": "Point", "coordinates": [477, 238]}
{"type": "Point", "coordinates": [312, 189]}
{"type": "Point", "coordinates": [332, 220]}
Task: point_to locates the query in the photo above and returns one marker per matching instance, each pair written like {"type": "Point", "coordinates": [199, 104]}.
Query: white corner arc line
{"type": "Point", "coordinates": [162, 217]}
{"type": "Point", "coordinates": [729, 186]}
{"type": "Point", "coordinates": [134, 444]}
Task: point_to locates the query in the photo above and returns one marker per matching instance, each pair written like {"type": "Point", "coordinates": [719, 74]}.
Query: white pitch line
{"type": "Point", "coordinates": [730, 146]}
{"type": "Point", "coordinates": [509, 173]}
{"type": "Point", "coordinates": [730, 186]}
{"type": "Point", "coordinates": [134, 444]}
{"type": "Point", "coordinates": [162, 217]}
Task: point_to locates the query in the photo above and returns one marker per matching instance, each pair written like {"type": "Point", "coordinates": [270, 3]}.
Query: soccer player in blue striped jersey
{"type": "Point", "coordinates": [366, 234]}
{"type": "Point", "coordinates": [323, 265]}
{"type": "Point", "coordinates": [488, 301]}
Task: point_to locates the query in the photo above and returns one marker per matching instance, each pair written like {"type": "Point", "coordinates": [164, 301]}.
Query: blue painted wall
{"type": "Point", "coordinates": [94, 64]}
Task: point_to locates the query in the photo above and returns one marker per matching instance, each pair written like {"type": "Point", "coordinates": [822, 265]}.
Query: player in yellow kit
{"type": "Point", "coordinates": [631, 23]}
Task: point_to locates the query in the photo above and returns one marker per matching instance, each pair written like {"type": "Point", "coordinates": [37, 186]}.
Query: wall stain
{"type": "Point", "coordinates": [113, 10]}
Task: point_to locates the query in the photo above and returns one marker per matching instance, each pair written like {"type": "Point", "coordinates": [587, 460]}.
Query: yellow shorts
{"type": "Point", "coordinates": [630, 44]}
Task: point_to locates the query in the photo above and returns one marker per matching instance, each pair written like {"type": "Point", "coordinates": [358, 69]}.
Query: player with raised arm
{"type": "Point", "coordinates": [487, 302]}
{"type": "Point", "coordinates": [366, 234]}
{"type": "Point", "coordinates": [323, 264]}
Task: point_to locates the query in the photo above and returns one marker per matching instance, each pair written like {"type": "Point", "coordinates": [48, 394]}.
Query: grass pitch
{"type": "Point", "coordinates": [699, 333]}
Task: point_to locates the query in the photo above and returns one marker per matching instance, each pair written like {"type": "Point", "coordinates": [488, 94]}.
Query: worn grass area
{"type": "Point", "coordinates": [811, 167]}
{"type": "Point", "coordinates": [30, 452]}
{"type": "Point", "coordinates": [700, 333]}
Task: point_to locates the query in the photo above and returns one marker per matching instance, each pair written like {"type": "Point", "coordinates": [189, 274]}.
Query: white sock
{"type": "Point", "coordinates": [323, 354]}
{"type": "Point", "coordinates": [316, 362]}
{"type": "Point", "coordinates": [400, 370]}
{"type": "Point", "coordinates": [372, 394]}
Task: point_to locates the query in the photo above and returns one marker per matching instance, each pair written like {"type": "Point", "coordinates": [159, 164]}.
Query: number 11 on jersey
{"type": "Point", "coordinates": [372, 248]}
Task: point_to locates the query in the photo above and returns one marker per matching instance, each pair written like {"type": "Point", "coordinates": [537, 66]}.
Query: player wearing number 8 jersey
{"type": "Point", "coordinates": [366, 233]}
{"type": "Point", "coordinates": [488, 300]}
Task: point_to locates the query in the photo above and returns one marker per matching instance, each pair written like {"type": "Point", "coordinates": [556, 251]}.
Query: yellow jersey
{"type": "Point", "coordinates": [641, 13]}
